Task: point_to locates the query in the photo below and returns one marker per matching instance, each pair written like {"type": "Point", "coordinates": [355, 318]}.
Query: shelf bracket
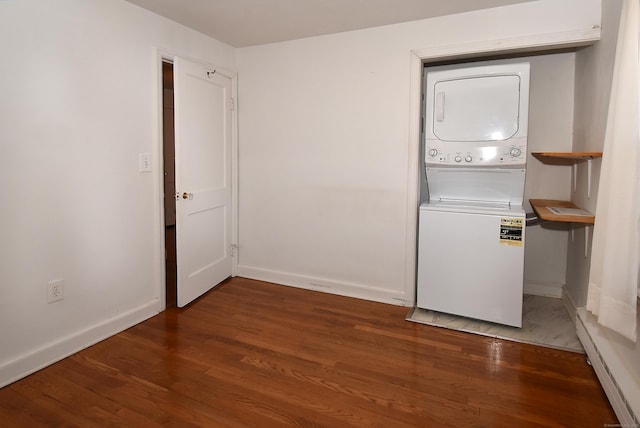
{"type": "Point", "coordinates": [586, 241]}
{"type": "Point", "coordinates": [589, 162]}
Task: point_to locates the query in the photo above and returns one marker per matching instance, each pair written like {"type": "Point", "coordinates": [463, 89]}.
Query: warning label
{"type": "Point", "coordinates": [511, 231]}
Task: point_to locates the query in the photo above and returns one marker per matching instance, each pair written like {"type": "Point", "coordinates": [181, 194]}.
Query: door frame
{"type": "Point", "coordinates": [158, 180]}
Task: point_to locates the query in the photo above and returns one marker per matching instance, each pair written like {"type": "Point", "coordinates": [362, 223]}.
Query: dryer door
{"type": "Point", "coordinates": [483, 108]}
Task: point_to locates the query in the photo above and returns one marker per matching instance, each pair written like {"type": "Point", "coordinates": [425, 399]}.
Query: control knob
{"type": "Point", "coordinates": [433, 152]}
{"type": "Point", "coordinates": [515, 152]}
{"type": "Point", "coordinates": [458, 158]}
{"type": "Point", "coordinates": [468, 158]}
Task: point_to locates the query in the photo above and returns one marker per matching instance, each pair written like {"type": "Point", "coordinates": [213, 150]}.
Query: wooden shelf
{"type": "Point", "coordinates": [570, 158]}
{"type": "Point", "coordinates": [565, 158]}
{"type": "Point", "coordinates": [540, 206]}
{"type": "Point", "coordinates": [569, 155]}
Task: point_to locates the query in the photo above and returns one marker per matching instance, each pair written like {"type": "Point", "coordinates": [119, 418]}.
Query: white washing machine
{"type": "Point", "coordinates": [472, 229]}
{"type": "Point", "coordinates": [471, 251]}
{"type": "Point", "coordinates": [471, 260]}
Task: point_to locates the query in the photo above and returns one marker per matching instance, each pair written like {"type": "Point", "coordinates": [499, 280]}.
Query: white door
{"type": "Point", "coordinates": [203, 121]}
{"type": "Point", "coordinates": [477, 109]}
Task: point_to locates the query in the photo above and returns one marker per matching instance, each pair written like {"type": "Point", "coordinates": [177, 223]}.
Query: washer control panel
{"type": "Point", "coordinates": [442, 153]}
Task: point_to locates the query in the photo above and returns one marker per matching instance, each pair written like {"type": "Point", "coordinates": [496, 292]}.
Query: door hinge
{"type": "Point", "coordinates": [234, 250]}
{"type": "Point", "coordinates": [232, 104]}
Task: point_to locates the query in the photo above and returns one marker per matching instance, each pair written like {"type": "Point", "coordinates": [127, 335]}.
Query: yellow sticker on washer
{"type": "Point", "coordinates": [511, 231]}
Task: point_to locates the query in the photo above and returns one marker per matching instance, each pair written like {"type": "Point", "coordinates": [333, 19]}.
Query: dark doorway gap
{"type": "Point", "coordinates": [168, 148]}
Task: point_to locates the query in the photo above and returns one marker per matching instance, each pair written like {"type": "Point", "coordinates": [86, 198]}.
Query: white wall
{"type": "Point", "coordinates": [550, 129]}
{"type": "Point", "coordinates": [79, 88]}
{"type": "Point", "coordinates": [325, 145]}
{"type": "Point", "coordinates": [594, 71]}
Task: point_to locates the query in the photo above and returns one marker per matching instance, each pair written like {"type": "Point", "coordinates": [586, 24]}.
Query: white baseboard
{"type": "Point", "coordinates": [365, 292]}
{"type": "Point", "coordinates": [543, 289]}
{"type": "Point", "coordinates": [341, 288]}
{"type": "Point", "coordinates": [569, 305]}
{"type": "Point", "coordinates": [30, 362]}
{"type": "Point", "coordinates": [614, 376]}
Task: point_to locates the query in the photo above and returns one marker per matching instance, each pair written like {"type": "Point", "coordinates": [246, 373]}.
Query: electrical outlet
{"type": "Point", "coordinates": [55, 290]}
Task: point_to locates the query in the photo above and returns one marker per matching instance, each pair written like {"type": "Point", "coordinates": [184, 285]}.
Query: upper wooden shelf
{"type": "Point", "coordinates": [570, 158]}
{"type": "Point", "coordinates": [541, 207]}
{"type": "Point", "coordinates": [565, 157]}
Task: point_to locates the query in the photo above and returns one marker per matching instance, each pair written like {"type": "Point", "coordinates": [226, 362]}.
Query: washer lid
{"type": "Point", "coordinates": [501, 185]}
{"type": "Point", "coordinates": [471, 207]}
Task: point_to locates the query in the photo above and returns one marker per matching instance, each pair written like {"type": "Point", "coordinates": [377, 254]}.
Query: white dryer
{"type": "Point", "coordinates": [472, 229]}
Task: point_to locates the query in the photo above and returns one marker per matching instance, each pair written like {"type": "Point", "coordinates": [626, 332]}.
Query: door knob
{"type": "Point", "coordinates": [186, 195]}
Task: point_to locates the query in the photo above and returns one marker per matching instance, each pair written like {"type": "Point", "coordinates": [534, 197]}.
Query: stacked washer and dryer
{"type": "Point", "coordinates": [472, 228]}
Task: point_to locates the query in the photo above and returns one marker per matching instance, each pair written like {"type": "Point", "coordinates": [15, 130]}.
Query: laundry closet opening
{"type": "Point", "coordinates": [550, 128]}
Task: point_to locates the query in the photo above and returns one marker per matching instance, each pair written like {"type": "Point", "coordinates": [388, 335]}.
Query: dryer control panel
{"type": "Point", "coordinates": [465, 154]}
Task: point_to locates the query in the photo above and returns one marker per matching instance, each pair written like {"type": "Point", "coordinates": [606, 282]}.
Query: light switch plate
{"type": "Point", "coordinates": [145, 162]}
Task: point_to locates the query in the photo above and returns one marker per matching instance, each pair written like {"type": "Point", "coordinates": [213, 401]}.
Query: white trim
{"type": "Point", "coordinates": [171, 55]}
{"type": "Point", "coordinates": [52, 352]}
{"type": "Point", "coordinates": [413, 180]}
{"type": "Point", "coordinates": [523, 44]}
{"type": "Point", "coordinates": [612, 373]}
{"type": "Point", "coordinates": [341, 288]}
{"type": "Point", "coordinates": [538, 42]}
{"type": "Point", "coordinates": [569, 305]}
{"type": "Point", "coordinates": [158, 184]}
{"type": "Point", "coordinates": [235, 213]}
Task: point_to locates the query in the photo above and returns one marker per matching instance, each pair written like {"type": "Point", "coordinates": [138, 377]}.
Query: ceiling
{"type": "Point", "coordinates": [242, 23]}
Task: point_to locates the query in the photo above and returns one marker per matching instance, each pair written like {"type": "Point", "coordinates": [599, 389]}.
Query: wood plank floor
{"type": "Point", "coordinates": [254, 354]}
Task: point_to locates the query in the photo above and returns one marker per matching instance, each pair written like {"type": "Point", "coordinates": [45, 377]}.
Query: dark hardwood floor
{"type": "Point", "coordinates": [255, 354]}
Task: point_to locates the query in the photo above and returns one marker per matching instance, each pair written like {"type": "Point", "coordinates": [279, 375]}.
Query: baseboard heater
{"type": "Point", "coordinates": [603, 369]}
